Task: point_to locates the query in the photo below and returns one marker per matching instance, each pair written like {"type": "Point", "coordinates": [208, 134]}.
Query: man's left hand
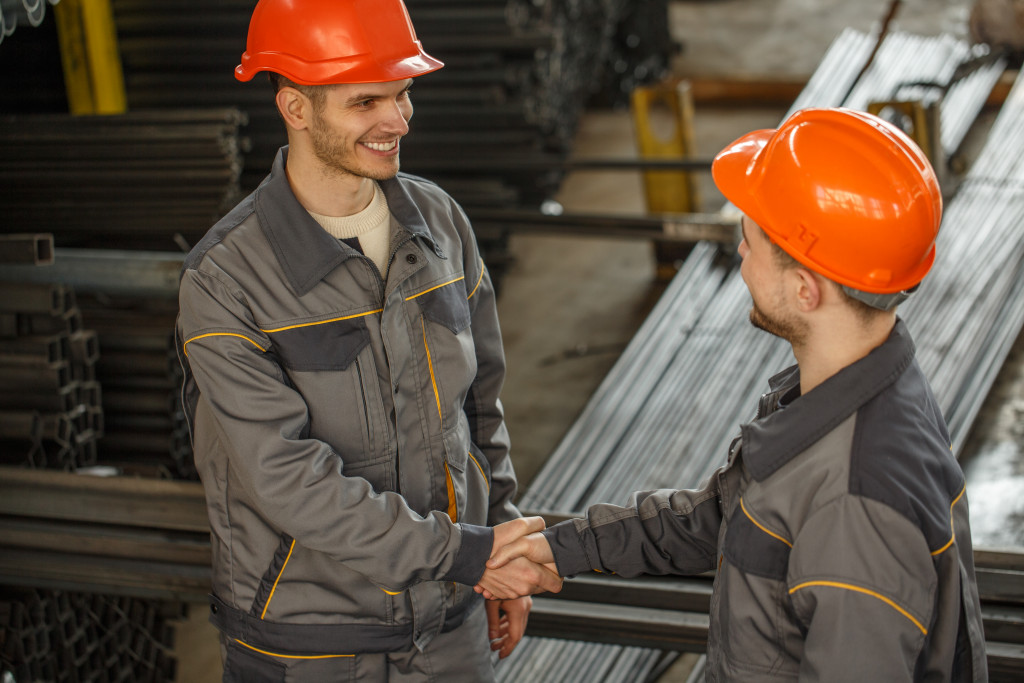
{"type": "Point", "coordinates": [506, 623]}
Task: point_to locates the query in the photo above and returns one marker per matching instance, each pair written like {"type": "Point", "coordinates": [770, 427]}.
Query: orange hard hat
{"type": "Point", "coordinates": [845, 193]}
{"type": "Point", "coordinates": [320, 42]}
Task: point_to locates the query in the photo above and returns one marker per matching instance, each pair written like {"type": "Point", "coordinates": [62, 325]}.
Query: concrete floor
{"type": "Point", "coordinates": [569, 305]}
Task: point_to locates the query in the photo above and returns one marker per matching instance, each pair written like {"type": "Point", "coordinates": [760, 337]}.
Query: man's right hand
{"type": "Point", "coordinates": [510, 574]}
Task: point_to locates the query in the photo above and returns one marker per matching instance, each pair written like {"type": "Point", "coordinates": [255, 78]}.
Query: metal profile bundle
{"type": "Point", "coordinates": [146, 432]}
{"type": "Point", "coordinates": [50, 411]}
{"type": "Point", "coordinates": [666, 412]}
{"type": "Point", "coordinates": [128, 299]}
{"type": "Point", "coordinates": [60, 636]}
{"type": "Point", "coordinates": [136, 180]}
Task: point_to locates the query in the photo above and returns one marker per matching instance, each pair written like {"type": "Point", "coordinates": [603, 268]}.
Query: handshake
{"type": "Point", "coordinates": [521, 562]}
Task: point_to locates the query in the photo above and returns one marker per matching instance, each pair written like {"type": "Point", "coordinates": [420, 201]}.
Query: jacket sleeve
{"type": "Point", "coordinates": [659, 532]}
{"type": "Point", "coordinates": [261, 426]}
{"type": "Point", "coordinates": [863, 584]}
{"type": "Point", "coordinates": [483, 406]}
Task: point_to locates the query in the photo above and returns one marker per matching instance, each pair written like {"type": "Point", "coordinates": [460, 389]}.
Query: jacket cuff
{"type": "Point", "coordinates": [470, 562]}
{"type": "Point", "coordinates": [571, 556]}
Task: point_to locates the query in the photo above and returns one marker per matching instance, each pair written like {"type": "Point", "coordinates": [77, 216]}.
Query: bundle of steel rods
{"type": "Point", "coordinates": [141, 180]}
{"type": "Point", "coordinates": [50, 408]}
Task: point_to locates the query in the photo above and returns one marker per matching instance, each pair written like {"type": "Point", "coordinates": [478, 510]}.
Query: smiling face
{"type": "Point", "coordinates": [358, 128]}
{"type": "Point", "coordinates": [764, 271]}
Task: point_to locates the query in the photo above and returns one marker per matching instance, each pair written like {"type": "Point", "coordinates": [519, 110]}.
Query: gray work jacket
{"type": "Point", "coordinates": [344, 425]}
{"type": "Point", "coordinates": [838, 528]}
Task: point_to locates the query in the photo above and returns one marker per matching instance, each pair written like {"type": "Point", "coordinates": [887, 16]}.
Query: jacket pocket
{"type": "Point", "coordinates": [243, 665]}
{"type": "Point", "coordinates": [321, 346]}
{"type": "Point", "coordinates": [467, 478]}
{"type": "Point", "coordinates": [446, 306]}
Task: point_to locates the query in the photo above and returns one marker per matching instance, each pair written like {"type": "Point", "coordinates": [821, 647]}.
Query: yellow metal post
{"type": "Point", "coordinates": [93, 77]}
{"type": "Point", "coordinates": [663, 124]}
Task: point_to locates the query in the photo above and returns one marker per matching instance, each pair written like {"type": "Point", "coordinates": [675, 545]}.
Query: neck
{"type": "Point", "coordinates": [323, 190]}
{"type": "Point", "coordinates": [837, 343]}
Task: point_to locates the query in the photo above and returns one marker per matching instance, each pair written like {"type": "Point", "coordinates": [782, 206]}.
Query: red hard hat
{"type": "Point", "coordinates": [320, 42]}
{"type": "Point", "coordinates": [843, 192]}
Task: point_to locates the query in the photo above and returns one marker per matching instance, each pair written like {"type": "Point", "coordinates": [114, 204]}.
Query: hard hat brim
{"type": "Point", "coordinates": [336, 71]}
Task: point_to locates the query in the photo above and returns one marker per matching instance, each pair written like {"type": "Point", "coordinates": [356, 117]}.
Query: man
{"type": "Point", "coordinates": [839, 525]}
{"type": "Point", "coordinates": [343, 363]}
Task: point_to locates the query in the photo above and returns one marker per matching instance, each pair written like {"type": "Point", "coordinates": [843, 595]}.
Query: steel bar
{"type": "Point", "coordinates": [667, 228]}
{"type": "Point", "coordinates": [32, 249]}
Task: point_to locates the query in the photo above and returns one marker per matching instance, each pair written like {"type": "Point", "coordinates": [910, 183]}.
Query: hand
{"type": "Point", "coordinates": [534, 547]}
{"type": "Point", "coordinates": [515, 529]}
{"type": "Point", "coordinates": [506, 623]}
{"type": "Point", "coordinates": [517, 578]}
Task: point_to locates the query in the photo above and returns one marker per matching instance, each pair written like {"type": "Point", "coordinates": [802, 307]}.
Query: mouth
{"type": "Point", "coordinates": [389, 146]}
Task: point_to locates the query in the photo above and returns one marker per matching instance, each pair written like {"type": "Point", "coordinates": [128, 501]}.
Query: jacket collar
{"type": "Point", "coordinates": [306, 252]}
{"type": "Point", "coordinates": [773, 439]}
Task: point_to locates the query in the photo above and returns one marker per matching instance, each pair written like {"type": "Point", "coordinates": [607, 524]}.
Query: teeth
{"type": "Point", "coordinates": [382, 146]}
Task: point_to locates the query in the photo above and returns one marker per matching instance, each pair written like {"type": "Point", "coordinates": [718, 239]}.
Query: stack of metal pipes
{"type": "Point", "coordinates": [128, 300]}
{"type": "Point", "coordinates": [146, 432]}
{"type": "Point", "coordinates": [50, 410]}
{"type": "Point", "coordinates": [59, 636]}
{"type": "Point", "coordinates": [15, 13]}
{"type": "Point", "coordinates": [148, 180]}
{"type": "Point", "coordinates": [666, 412]}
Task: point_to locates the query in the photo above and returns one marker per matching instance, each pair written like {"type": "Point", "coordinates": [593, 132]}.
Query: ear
{"type": "Point", "coordinates": [294, 107]}
{"type": "Point", "coordinates": [808, 289]}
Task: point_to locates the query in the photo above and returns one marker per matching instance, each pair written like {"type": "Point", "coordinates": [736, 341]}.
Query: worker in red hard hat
{"type": "Point", "coordinates": [838, 528]}
{"type": "Point", "coordinates": [343, 364]}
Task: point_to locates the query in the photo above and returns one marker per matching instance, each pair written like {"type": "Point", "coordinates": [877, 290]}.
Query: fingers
{"type": "Point", "coordinates": [493, 608]}
{"type": "Point", "coordinates": [534, 547]}
{"type": "Point", "coordinates": [519, 577]}
{"type": "Point", "coordinates": [514, 529]}
{"type": "Point", "coordinates": [512, 619]}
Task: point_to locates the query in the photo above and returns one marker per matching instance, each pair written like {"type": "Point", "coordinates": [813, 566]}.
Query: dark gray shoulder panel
{"type": "Point", "coordinates": [901, 456]}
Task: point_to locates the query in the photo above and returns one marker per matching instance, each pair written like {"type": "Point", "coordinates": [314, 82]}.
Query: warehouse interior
{"type": "Point", "coordinates": [622, 311]}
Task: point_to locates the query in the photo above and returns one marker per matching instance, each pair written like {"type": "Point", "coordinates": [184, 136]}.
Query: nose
{"type": "Point", "coordinates": [396, 121]}
{"type": "Point", "coordinates": [743, 249]}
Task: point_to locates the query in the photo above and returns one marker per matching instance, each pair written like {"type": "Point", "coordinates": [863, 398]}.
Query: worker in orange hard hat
{"type": "Point", "coordinates": [838, 527]}
{"type": "Point", "coordinates": [343, 364]}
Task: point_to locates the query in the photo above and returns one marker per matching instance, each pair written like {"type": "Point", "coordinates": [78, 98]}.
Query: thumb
{"type": "Point", "coordinates": [507, 553]}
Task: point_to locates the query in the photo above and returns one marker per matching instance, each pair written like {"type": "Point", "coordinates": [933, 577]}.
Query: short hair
{"type": "Point", "coordinates": [864, 311]}
{"type": "Point", "coordinates": [317, 94]}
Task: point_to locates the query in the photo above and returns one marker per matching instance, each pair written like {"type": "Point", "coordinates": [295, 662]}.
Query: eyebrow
{"type": "Point", "coordinates": [360, 97]}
